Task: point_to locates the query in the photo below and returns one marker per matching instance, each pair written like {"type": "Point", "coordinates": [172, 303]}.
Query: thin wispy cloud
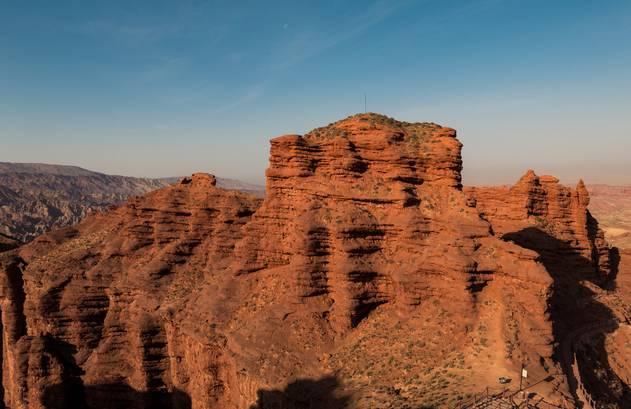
{"type": "Point", "coordinates": [189, 93]}
{"type": "Point", "coordinates": [140, 29]}
{"type": "Point", "coordinates": [188, 71]}
{"type": "Point", "coordinates": [164, 68]}
{"type": "Point", "coordinates": [308, 43]}
{"type": "Point", "coordinates": [250, 95]}
{"type": "Point", "coordinates": [132, 33]}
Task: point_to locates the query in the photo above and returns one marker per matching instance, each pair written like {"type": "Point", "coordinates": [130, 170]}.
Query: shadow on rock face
{"type": "Point", "coordinates": [614, 260]}
{"type": "Point", "coordinates": [113, 396]}
{"type": "Point", "coordinates": [72, 393]}
{"type": "Point", "coordinates": [303, 394]}
{"type": "Point", "coordinates": [575, 310]}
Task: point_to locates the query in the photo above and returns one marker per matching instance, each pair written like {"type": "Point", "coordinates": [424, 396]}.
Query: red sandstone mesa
{"type": "Point", "coordinates": [365, 278]}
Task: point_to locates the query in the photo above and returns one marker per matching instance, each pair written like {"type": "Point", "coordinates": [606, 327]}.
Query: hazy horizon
{"type": "Point", "coordinates": [485, 179]}
{"type": "Point", "coordinates": [169, 88]}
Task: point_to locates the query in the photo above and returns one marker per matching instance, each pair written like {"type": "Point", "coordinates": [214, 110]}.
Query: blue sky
{"type": "Point", "coordinates": [161, 88]}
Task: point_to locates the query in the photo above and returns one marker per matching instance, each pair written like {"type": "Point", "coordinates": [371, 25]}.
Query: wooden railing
{"type": "Point", "coordinates": [481, 400]}
{"type": "Point", "coordinates": [506, 400]}
{"type": "Point", "coordinates": [583, 394]}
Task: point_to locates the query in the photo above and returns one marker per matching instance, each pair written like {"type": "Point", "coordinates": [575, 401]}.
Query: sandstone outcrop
{"type": "Point", "coordinates": [540, 214]}
{"type": "Point", "coordinates": [365, 278]}
{"type": "Point", "coordinates": [100, 310]}
{"type": "Point", "coordinates": [541, 201]}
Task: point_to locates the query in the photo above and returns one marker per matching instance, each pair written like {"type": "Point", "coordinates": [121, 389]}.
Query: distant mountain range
{"type": "Point", "coordinates": [36, 197]}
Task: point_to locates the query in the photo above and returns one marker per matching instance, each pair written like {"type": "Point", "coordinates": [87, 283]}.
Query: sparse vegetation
{"type": "Point", "coordinates": [414, 132]}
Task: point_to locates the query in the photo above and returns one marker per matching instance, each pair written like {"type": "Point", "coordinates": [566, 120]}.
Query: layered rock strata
{"type": "Point", "coordinates": [540, 214]}
{"type": "Point", "coordinates": [364, 251]}
{"type": "Point", "coordinates": [542, 202]}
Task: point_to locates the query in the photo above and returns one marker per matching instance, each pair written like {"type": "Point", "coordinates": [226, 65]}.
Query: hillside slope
{"type": "Point", "coordinates": [36, 198]}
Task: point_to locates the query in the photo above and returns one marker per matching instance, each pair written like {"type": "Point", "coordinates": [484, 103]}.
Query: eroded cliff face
{"type": "Point", "coordinates": [553, 220]}
{"type": "Point", "coordinates": [365, 278]}
{"type": "Point", "coordinates": [90, 313]}
{"type": "Point", "coordinates": [344, 201]}
{"type": "Point", "coordinates": [542, 202]}
{"type": "Point", "coordinates": [366, 228]}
